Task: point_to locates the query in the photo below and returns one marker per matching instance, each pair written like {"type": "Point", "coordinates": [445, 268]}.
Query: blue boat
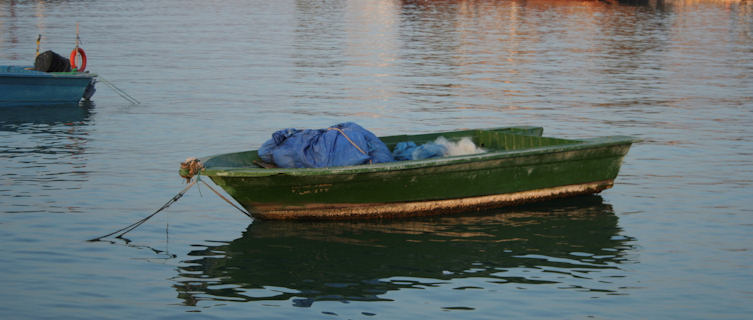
{"type": "Point", "coordinates": [24, 86]}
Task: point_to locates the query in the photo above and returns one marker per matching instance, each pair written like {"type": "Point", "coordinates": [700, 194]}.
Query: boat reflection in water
{"type": "Point", "coordinates": [61, 131]}
{"type": "Point", "coordinates": [45, 157]}
{"type": "Point", "coordinates": [45, 119]}
{"type": "Point", "coordinates": [571, 243]}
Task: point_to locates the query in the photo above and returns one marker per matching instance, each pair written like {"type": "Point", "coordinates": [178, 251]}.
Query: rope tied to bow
{"type": "Point", "coordinates": [190, 168]}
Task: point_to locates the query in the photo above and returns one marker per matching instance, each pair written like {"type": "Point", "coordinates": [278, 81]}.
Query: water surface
{"type": "Point", "coordinates": [672, 239]}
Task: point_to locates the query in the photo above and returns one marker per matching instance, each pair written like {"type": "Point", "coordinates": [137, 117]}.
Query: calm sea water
{"type": "Point", "coordinates": [672, 239]}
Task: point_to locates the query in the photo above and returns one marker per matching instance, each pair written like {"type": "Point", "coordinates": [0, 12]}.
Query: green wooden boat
{"type": "Point", "coordinates": [520, 166]}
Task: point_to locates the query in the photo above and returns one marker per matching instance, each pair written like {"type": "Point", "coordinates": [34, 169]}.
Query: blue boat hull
{"type": "Point", "coordinates": [22, 87]}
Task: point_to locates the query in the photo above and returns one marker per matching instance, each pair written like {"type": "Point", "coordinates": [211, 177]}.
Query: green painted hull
{"type": "Point", "coordinates": [521, 166]}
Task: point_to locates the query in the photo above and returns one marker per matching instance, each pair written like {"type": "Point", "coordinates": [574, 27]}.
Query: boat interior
{"type": "Point", "coordinates": [501, 139]}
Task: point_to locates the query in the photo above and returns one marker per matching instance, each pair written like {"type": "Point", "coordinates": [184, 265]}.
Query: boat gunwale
{"type": "Point", "coordinates": [249, 171]}
{"type": "Point", "coordinates": [52, 75]}
{"type": "Point", "coordinates": [26, 72]}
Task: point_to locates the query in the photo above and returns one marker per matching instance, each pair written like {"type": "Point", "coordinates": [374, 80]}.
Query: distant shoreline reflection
{"type": "Point", "coordinates": [573, 244]}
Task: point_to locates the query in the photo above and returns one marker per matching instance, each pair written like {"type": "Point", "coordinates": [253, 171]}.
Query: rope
{"type": "Point", "coordinates": [227, 200]}
{"type": "Point", "coordinates": [117, 90]}
{"type": "Point", "coordinates": [351, 141]}
{"type": "Point", "coordinates": [193, 167]}
{"type": "Point", "coordinates": [346, 137]}
{"type": "Point", "coordinates": [136, 224]}
{"type": "Point", "coordinates": [190, 168]}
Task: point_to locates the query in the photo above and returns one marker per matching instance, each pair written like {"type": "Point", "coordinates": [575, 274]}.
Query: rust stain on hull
{"type": "Point", "coordinates": [418, 208]}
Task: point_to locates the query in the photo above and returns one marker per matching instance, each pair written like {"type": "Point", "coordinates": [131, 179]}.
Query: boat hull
{"type": "Point", "coordinates": [428, 187]}
{"type": "Point", "coordinates": [22, 87]}
{"type": "Point", "coordinates": [335, 211]}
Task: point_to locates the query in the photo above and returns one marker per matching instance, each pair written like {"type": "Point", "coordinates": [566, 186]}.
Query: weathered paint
{"type": "Point", "coordinates": [520, 163]}
{"type": "Point", "coordinates": [335, 211]}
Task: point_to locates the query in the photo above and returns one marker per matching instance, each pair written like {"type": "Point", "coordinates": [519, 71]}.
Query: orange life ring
{"type": "Point", "coordinates": [81, 52]}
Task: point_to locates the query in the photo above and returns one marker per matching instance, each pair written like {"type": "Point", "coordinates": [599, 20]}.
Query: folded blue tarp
{"type": "Point", "coordinates": [344, 144]}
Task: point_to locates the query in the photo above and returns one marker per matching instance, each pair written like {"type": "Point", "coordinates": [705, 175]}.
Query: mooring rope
{"type": "Point", "coordinates": [136, 224]}
{"type": "Point", "coordinates": [119, 91]}
{"type": "Point", "coordinates": [188, 169]}
{"type": "Point", "coordinates": [192, 167]}
{"type": "Point", "coordinates": [226, 200]}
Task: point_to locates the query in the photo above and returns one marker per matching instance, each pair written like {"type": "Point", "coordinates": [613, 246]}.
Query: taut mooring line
{"type": "Point", "coordinates": [117, 90]}
{"type": "Point", "coordinates": [226, 200]}
{"type": "Point", "coordinates": [193, 167]}
{"type": "Point", "coordinates": [140, 222]}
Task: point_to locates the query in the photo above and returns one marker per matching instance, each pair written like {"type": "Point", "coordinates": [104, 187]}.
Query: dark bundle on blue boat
{"type": "Point", "coordinates": [344, 144]}
{"type": "Point", "coordinates": [49, 61]}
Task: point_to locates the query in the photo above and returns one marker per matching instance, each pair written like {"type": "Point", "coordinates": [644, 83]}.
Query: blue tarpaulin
{"type": "Point", "coordinates": [344, 144]}
{"type": "Point", "coordinates": [410, 151]}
